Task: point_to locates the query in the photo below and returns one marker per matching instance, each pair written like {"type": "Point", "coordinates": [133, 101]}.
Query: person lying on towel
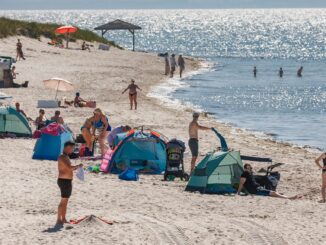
{"type": "Point", "coordinates": [248, 182]}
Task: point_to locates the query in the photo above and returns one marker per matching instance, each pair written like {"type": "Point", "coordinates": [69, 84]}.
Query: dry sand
{"type": "Point", "coordinates": [148, 211]}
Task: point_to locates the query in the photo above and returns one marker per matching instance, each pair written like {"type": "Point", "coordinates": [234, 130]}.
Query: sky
{"type": "Point", "coordinates": [144, 4]}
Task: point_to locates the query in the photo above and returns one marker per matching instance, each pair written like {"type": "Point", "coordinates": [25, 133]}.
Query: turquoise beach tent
{"type": "Point", "coordinates": [50, 146]}
{"type": "Point", "coordinates": [13, 122]}
{"type": "Point", "coordinates": [218, 173]}
{"type": "Point", "coordinates": [145, 152]}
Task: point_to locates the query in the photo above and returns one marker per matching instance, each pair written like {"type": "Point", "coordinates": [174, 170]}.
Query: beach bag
{"type": "Point", "coordinates": [129, 174]}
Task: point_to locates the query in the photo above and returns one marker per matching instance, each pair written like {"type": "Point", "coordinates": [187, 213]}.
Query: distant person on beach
{"type": "Point", "coordinates": [65, 169]}
{"type": "Point", "coordinates": [132, 93]}
{"type": "Point", "coordinates": [299, 72]}
{"type": "Point", "coordinates": [57, 118]}
{"type": "Point", "coordinates": [85, 46]}
{"type": "Point", "coordinates": [248, 182]}
{"type": "Point", "coordinates": [18, 109]}
{"type": "Point", "coordinates": [181, 64]}
{"type": "Point", "coordinates": [13, 72]}
{"type": "Point", "coordinates": [114, 132]}
{"type": "Point", "coordinates": [167, 64]}
{"type": "Point", "coordinates": [322, 158]}
{"type": "Point", "coordinates": [193, 138]}
{"type": "Point", "coordinates": [281, 72]}
{"type": "Point", "coordinates": [87, 134]}
{"type": "Point", "coordinates": [40, 121]}
{"type": "Point", "coordinates": [19, 50]}
{"type": "Point", "coordinates": [255, 71]}
{"type": "Point", "coordinates": [173, 65]}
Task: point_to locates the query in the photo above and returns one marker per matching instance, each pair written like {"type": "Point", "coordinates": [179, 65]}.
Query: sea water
{"type": "Point", "coordinates": [232, 42]}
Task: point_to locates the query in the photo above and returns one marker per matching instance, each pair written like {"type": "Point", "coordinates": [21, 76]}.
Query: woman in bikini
{"type": "Point", "coordinates": [97, 122]}
{"type": "Point", "coordinates": [132, 93]}
{"type": "Point", "coordinates": [322, 167]}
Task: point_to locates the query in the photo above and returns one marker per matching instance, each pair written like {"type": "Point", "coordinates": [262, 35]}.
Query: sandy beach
{"type": "Point", "coordinates": [148, 211]}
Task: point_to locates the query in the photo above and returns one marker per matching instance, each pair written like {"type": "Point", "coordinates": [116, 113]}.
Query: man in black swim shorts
{"type": "Point", "coordinates": [193, 138]}
{"type": "Point", "coordinates": [65, 180]}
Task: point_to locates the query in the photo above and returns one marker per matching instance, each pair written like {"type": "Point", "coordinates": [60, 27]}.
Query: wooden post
{"type": "Point", "coordinates": [133, 40]}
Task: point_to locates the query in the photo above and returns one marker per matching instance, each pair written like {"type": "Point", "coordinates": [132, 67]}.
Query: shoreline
{"type": "Point", "coordinates": [204, 66]}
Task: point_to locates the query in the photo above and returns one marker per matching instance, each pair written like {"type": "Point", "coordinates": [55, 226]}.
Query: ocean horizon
{"type": "Point", "coordinates": [231, 42]}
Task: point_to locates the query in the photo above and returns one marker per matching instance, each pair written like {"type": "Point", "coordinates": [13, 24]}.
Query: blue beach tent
{"type": "Point", "coordinates": [144, 152]}
{"type": "Point", "coordinates": [13, 122]}
{"type": "Point", "coordinates": [50, 146]}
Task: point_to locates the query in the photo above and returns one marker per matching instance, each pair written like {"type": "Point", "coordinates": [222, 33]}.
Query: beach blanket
{"type": "Point", "coordinates": [53, 129]}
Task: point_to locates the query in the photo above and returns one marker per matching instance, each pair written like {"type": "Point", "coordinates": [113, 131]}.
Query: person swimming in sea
{"type": "Point", "coordinates": [132, 93]}
{"type": "Point", "coordinates": [281, 72]}
{"type": "Point", "coordinates": [299, 72]}
{"type": "Point", "coordinates": [255, 71]}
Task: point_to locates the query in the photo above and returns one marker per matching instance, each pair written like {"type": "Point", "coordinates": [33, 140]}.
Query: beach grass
{"type": "Point", "coordinates": [10, 27]}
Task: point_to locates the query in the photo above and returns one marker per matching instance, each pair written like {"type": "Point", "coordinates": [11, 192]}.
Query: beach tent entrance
{"type": "Point", "coordinates": [13, 122]}
{"type": "Point", "coordinates": [217, 173]}
{"type": "Point", "coordinates": [141, 151]}
{"type": "Point", "coordinates": [51, 143]}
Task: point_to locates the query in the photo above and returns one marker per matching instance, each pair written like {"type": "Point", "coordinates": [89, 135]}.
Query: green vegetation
{"type": "Point", "coordinates": [9, 27]}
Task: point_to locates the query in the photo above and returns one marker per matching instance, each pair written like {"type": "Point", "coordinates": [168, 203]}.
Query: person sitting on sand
{"type": "Point", "coordinates": [64, 181]}
{"type": "Point", "coordinates": [322, 158]}
{"type": "Point", "coordinates": [40, 121]}
{"type": "Point", "coordinates": [181, 64]}
{"type": "Point", "coordinates": [78, 101]}
{"type": "Point", "coordinates": [193, 138]}
{"type": "Point", "coordinates": [248, 182]}
{"type": "Point", "coordinates": [13, 72]}
{"type": "Point", "coordinates": [18, 109]}
{"type": "Point", "coordinates": [132, 93]}
{"type": "Point", "coordinates": [85, 46]}
{"type": "Point", "coordinates": [114, 132]}
{"type": "Point", "coordinates": [299, 73]}
{"type": "Point", "coordinates": [87, 133]}
{"type": "Point", "coordinates": [173, 65]}
{"type": "Point", "coordinates": [57, 118]}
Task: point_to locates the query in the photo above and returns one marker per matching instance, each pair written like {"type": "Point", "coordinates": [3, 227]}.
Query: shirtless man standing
{"type": "Point", "coordinates": [65, 180]}
{"type": "Point", "coordinates": [193, 138]}
{"type": "Point", "coordinates": [132, 93]}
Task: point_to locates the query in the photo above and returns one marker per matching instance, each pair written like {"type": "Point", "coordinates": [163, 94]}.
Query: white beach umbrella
{"type": "Point", "coordinates": [4, 96]}
{"type": "Point", "coordinates": [58, 84]}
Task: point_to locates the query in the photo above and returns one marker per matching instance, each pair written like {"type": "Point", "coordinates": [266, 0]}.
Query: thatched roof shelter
{"type": "Point", "coordinates": [120, 25]}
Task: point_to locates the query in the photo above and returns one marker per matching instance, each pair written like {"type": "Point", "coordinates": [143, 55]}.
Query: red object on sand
{"type": "Point", "coordinates": [66, 29]}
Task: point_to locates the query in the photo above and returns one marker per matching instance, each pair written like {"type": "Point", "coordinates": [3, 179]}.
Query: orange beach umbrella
{"type": "Point", "coordinates": [66, 30]}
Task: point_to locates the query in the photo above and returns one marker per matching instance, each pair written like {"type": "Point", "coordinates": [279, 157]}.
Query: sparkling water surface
{"type": "Point", "coordinates": [290, 109]}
